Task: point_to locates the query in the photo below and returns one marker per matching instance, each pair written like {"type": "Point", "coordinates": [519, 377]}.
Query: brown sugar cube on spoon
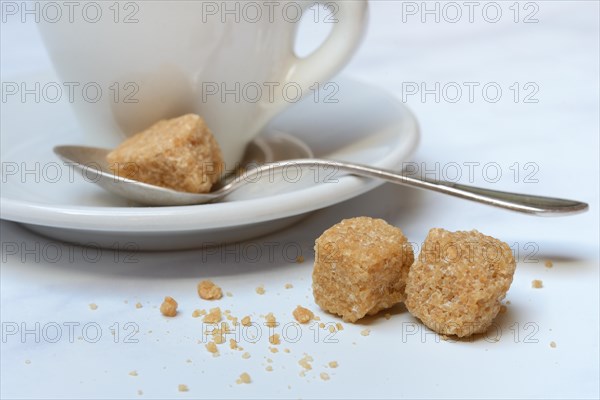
{"type": "Point", "coordinates": [179, 154]}
{"type": "Point", "coordinates": [456, 284]}
{"type": "Point", "coordinates": [361, 267]}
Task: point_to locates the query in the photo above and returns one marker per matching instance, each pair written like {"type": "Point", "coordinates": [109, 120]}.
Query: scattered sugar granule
{"type": "Point", "coordinates": [331, 328]}
{"type": "Point", "coordinates": [324, 376]}
{"type": "Point", "coordinates": [339, 326]}
{"type": "Point", "coordinates": [246, 355]}
{"type": "Point", "coordinates": [138, 305]}
{"type": "Point", "coordinates": [233, 344]}
{"type": "Point", "coordinates": [219, 338]}
{"type": "Point", "coordinates": [322, 325]}
{"type": "Point", "coordinates": [553, 344]}
{"type": "Point", "coordinates": [303, 315]}
{"type": "Point", "coordinates": [212, 347]}
{"type": "Point", "coordinates": [93, 306]}
{"type": "Point", "coordinates": [271, 320]}
{"type": "Point", "coordinates": [260, 290]}
{"type": "Point", "coordinates": [246, 321]}
{"type": "Point", "coordinates": [305, 362]}
{"type": "Point", "coordinates": [273, 349]}
{"type": "Point", "coordinates": [286, 350]}
{"type": "Point", "coordinates": [300, 259]}
{"type": "Point", "coordinates": [207, 290]}
{"type": "Point", "coordinates": [365, 332]}
{"type": "Point", "coordinates": [213, 316]}
{"type": "Point", "coordinates": [289, 286]}
{"type": "Point", "coordinates": [269, 368]}
{"type": "Point", "coordinates": [333, 364]}
{"type": "Point", "coordinates": [197, 313]}
{"type": "Point", "coordinates": [182, 388]}
{"type": "Point", "coordinates": [168, 308]}
{"type": "Point", "coordinates": [274, 339]}
{"type": "Point", "coordinates": [133, 373]}
{"type": "Point", "coordinates": [537, 284]}
{"type": "Point", "coordinates": [244, 378]}
{"type": "Point", "coordinates": [548, 264]}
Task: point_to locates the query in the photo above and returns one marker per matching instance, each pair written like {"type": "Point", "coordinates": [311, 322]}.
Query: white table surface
{"type": "Point", "coordinates": [558, 135]}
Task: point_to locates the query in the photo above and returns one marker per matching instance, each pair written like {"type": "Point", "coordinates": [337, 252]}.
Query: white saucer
{"type": "Point", "coordinates": [366, 125]}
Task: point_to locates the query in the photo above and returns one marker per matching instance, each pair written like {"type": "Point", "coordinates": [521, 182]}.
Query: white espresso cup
{"type": "Point", "coordinates": [133, 63]}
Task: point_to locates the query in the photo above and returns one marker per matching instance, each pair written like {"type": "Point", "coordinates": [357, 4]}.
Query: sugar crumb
{"type": "Point", "coordinates": [246, 355]}
{"type": "Point", "coordinates": [271, 320]}
{"type": "Point", "coordinates": [553, 344]}
{"type": "Point", "coordinates": [168, 308]}
{"type": "Point", "coordinates": [260, 290]}
{"type": "Point", "coordinates": [289, 286]}
{"type": "Point", "coordinates": [93, 306]}
{"type": "Point", "coordinates": [300, 259]}
{"type": "Point", "coordinates": [244, 378]}
{"type": "Point", "coordinates": [303, 315]}
{"type": "Point", "coordinates": [138, 305]}
{"type": "Point", "coordinates": [213, 316]}
{"type": "Point", "coordinates": [269, 368]}
{"type": "Point", "coordinates": [548, 264]}
{"type": "Point", "coordinates": [246, 321]}
{"type": "Point", "coordinates": [212, 348]}
{"type": "Point", "coordinates": [324, 376]}
{"type": "Point", "coordinates": [333, 364]}
{"type": "Point", "coordinates": [305, 362]}
{"type": "Point", "coordinates": [365, 332]}
{"type": "Point", "coordinates": [182, 388]}
{"type": "Point", "coordinates": [207, 290]}
{"type": "Point", "coordinates": [133, 373]}
{"type": "Point", "coordinates": [537, 284]}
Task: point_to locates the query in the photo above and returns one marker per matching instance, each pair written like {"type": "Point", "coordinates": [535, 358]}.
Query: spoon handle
{"type": "Point", "coordinates": [528, 204]}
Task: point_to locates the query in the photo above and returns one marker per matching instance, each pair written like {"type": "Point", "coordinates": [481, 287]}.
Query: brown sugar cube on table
{"type": "Point", "coordinates": [179, 154]}
{"type": "Point", "coordinates": [456, 284]}
{"type": "Point", "coordinates": [361, 267]}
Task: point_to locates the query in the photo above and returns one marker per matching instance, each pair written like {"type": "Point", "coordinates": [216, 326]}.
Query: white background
{"type": "Point", "coordinates": [558, 135]}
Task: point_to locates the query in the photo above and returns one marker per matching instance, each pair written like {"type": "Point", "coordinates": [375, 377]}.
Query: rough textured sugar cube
{"type": "Point", "coordinates": [361, 267]}
{"type": "Point", "coordinates": [179, 154]}
{"type": "Point", "coordinates": [458, 281]}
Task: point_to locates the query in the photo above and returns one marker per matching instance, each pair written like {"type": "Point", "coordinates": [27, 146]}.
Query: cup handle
{"type": "Point", "coordinates": [350, 22]}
